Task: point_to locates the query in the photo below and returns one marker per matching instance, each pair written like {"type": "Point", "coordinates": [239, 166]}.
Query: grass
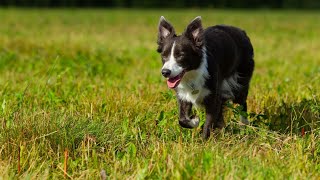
{"type": "Point", "coordinates": [87, 83]}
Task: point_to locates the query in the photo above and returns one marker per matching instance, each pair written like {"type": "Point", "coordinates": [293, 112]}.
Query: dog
{"type": "Point", "coordinates": [206, 68]}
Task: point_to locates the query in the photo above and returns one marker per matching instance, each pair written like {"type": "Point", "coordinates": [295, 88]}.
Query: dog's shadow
{"type": "Point", "coordinates": [285, 118]}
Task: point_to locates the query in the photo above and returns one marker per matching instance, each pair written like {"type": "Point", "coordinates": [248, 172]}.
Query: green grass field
{"type": "Point", "coordinates": [87, 82]}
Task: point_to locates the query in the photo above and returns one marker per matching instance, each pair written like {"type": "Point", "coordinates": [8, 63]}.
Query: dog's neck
{"type": "Point", "coordinates": [195, 79]}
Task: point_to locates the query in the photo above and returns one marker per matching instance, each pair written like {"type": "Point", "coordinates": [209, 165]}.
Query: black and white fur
{"type": "Point", "coordinates": [213, 64]}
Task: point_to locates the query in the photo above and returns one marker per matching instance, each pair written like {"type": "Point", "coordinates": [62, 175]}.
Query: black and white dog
{"type": "Point", "coordinates": [206, 67]}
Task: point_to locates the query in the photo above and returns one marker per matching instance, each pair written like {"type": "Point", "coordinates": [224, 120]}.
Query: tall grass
{"type": "Point", "coordinates": [87, 82]}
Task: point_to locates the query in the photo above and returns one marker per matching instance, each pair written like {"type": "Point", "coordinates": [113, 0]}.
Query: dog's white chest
{"type": "Point", "coordinates": [189, 94]}
{"type": "Point", "coordinates": [192, 86]}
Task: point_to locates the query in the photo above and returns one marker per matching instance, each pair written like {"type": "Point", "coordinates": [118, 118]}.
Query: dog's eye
{"type": "Point", "coordinates": [164, 58]}
{"type": "Point", "coordinates": [180, 55]}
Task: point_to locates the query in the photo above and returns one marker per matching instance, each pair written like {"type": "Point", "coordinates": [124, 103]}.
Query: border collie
{"type": "Point", "coordinates": [206, 67]}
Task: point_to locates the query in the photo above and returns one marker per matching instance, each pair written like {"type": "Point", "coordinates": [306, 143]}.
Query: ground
{"type": "Point", "coordinates": [87, 83]}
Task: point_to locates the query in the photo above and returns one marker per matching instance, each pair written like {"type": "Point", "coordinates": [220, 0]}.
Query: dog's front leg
{"type": "Point", "coordinates": [212, 107]}
{"type": "Point", "coordinates": [185, 118]}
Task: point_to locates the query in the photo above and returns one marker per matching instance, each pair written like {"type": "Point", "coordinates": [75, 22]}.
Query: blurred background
{"type": "Point", "coordinates": [296, 4]}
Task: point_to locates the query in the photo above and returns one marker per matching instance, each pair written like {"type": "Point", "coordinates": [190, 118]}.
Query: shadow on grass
{"type": "Point", "coordinates": [284, 117]}
{"type": "Point", "coordinates": [293, 118]}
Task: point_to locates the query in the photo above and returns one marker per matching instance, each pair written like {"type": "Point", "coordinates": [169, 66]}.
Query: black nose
{"type": "Point", "coordinates": [166, 72]}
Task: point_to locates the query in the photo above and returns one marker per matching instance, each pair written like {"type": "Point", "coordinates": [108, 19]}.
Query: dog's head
{"type": "Point", "coordinates": [182, 53]}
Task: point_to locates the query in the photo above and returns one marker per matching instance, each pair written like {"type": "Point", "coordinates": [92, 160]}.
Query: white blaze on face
{"type": "Point", "coordinates": [172, 64]}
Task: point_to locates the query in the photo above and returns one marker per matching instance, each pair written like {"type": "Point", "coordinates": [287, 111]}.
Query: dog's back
{"type": "Point", "coordinates": [230, 48]}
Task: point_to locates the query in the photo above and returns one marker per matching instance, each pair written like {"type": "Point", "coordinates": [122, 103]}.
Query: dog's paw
{"type": "Point", "coordinates": [195, 121]}
{"type": "Point", "coordinates": [244, 120]}
{"type": "Point", "coordinates": [189, 123]}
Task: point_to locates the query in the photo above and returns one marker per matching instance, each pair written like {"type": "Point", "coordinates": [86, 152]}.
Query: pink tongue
{"type": "Point", "coordinates": [173, 82]}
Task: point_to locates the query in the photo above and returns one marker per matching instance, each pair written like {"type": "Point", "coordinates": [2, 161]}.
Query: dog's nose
{"type": "Point", "coordinates": [166, 72]}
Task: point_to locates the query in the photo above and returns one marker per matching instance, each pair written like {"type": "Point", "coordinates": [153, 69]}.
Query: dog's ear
{"type": "Point", "coordinates": [165, 30]}
{"type": "Point", "coordinates": [195, 31]}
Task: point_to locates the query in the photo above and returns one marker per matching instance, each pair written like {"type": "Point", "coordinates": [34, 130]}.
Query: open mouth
{"type": "Point", "coordinates": [174, 82]}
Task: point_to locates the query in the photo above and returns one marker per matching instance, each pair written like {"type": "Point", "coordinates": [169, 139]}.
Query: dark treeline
{"type": "Point", "coordinates": [166, 3]}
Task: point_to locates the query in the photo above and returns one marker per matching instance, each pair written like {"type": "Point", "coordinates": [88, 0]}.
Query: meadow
{"type": "Point", "coordinates": [81, 92]}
